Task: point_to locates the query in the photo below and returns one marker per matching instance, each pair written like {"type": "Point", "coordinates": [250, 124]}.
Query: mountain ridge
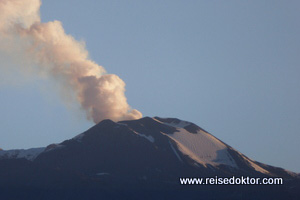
{"type": "Point", "coordinates": [180, 134]}
{"type": "Point", "coordinates": [148, 154]}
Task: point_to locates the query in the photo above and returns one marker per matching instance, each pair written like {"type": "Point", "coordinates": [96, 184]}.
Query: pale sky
{"type": "Point", "coordinates": [231, 67]}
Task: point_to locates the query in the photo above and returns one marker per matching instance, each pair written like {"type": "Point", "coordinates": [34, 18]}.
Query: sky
{"type": "Point", "coordinates": [231, 67]}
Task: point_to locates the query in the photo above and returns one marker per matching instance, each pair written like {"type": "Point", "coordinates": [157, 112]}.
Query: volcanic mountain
{"type": "Point", "coordinates": [135, 159]}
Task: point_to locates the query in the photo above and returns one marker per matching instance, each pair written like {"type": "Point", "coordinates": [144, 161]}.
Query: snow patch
{"type": "Point", "coordinates": [181, 123]}
{"type": "Point", "coordinates": [202, 147]}
{"type": "Point", "coordinates": [148, 137]}
{"type": "Point", "coordinates": [254, 165]}
{"type": "Point", "coordinates": [177, 155]}
{"type": "Point", "coordinates": [157, 120]}
{"type": "Point", "coordinates": [53, 147]}
{"type": "Point", "coordinates": [257, 167]}
{"type": "Point", "coordinates": [29, 154]}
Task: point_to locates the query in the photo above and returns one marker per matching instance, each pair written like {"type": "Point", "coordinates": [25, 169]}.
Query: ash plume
{"type": "Point", "coordinates": [48, 51]}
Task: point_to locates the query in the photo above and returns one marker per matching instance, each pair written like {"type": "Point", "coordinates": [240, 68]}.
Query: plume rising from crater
{"type": "Point", "coordinates": [48, 51]}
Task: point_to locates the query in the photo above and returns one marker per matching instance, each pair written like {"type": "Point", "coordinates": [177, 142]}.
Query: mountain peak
{"type": "Point", "coordinates": [106, 122]}
{"type": "Point", "coordinates": [147, 143]}
{"type": "Point", "coordinates": [135, 153]}
{"type": "Point", "coordinates": [189, 126]}
{"type": "Point", "coordinates": [174, 121]}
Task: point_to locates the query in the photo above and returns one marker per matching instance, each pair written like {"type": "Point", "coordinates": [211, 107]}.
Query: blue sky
{"type": "Point", "coordinates": [232, 67]}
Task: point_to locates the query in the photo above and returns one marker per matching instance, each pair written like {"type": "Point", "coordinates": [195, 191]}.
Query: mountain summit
{"type": "Point", "coordinates": [149, 154]}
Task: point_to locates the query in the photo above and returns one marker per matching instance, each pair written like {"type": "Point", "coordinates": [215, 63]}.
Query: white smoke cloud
{"type": "Point", "coordinates": [51, 52]}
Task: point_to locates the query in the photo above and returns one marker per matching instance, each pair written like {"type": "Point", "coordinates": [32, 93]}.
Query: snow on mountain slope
{"type": "Point", "coordinates": [254, 165]}
{"type": "Point", "coordinates": [29, 154]}
{"type": "Point", "coordinates": [148, 137]}
{"type": "Point", "coordinates": [181, 138]}
{"type": "Point", "coordinates": [200, 146]}
{"type": "Point", "coordinates": [203, 147]}
{"type": "Point", "coordinates": [190, 140]}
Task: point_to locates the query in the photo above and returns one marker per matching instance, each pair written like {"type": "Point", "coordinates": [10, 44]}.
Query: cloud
{"type": "Point", "coordinates": [48, 51]}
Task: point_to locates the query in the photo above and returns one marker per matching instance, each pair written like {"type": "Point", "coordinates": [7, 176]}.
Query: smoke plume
{"type": "Point", "coordinates": [53, 53]}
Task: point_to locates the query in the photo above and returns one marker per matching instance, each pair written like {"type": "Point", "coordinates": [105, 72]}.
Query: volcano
{"type": "Point", "coordinates": [137, 159]}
